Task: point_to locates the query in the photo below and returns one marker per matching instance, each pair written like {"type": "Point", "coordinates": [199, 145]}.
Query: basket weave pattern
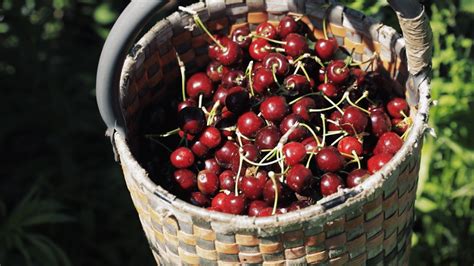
{"type": "Point", "coordinates": [373, 227]}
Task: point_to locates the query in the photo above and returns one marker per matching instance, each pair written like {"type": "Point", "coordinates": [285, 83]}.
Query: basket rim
{"type": "Point", "coordinates": [234, 222]}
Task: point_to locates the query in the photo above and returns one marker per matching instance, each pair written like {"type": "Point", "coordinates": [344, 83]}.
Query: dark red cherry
{"type": "Point", "coordinates": [199, 199]}
{"type": "Point", "coordinates": [354, 120]}
{"type": "Point", "coordinates": [225, 153]}
{"type": "Point", "coordinates": [330, 183]}
{"type": "Point", "coordinates": [185, 178]}
{"type": "Point", "coordinates": [227, 180]}
{"type": "Point", "coordinates": [237, 102]}
{"type": "Point", "coordinates": [377, 161]}
{"type": "Point", "coordinates": [286, 26]}
{"type": "Point", "coordinates": [198, 84]}
{"type": "Point", "coordinates": [359, 75]}
{"type": "Point", "coordinates": [277, 62]}
{"type": "Point", "coordinates": [231, 53]}
{"type": "Point", "coordinates": [298, 178]}
{"type": "Point", "coordinates": [294, 153]}
{"type": "Point", "coordinates": [249, 123]}
{"type": "Point", "coordinates": [336, 117]}
{"type": "Point", "coordinates": [274, 108]}
{"type": "Point", "coordinates": [302, 106]}
{"type": "Point", "coordinates": [234, 204]}
{"type": "Point", "coordinates": [251, 152]}
{"type": "Point", "coordinates": [295, 45]}
{"type": "Point", "coordinates": [267, 137]}
{"type": "Point", "coordinates": [265, 212]}
{"type": "Point", "coordinates": [267, 30]}
{"type": "Point", "coordinates": [296, 84]}
{"type": "Point", "coordinates": [191, 120]}
{"type": "Point", "coordinates": [183, 135]}
{"type": "Point", "coordinates": [400, 126]}
{"type": "Point", "coordinates": [218, 201]}
{"type": "Point", "coordinates": [396, 107]}
{"type": "Point", "coordinates": [186, 103]}
{"type": "Point", "coordinates": [380, 123]}
{"type": "Point", "coordinates": [208, 182]}
{"type": "Point", "coordinates": [215, 70]}
{"type": "Point", "coordinates": [389, 142]}
{"type": "Point", "coordinates": [269, 191]}
{"type": "Point", "coordinates": [182, 157]}
{"type": "Point", "coordinates": [288, 122]}
{"type": "Point", "coordinates": [348, 144]}
{"type": "Point", "coordinates": [298, 205]}
{"type": "Point", "coordinates": [251, 187]}
{"type": "Point", "coordinates": [322, 74]}
{"type": "Point", "coordinates": [213, 49]}
{"type": "Point", "coordinates": [356, 177]}
{"type": "Point", "coordinates": [329, 159]}
{"type": "Point", "coordinates": [255, 207]}
{"type": "Point", "coordinates": [219, 95]}
{"type": "Point", "coordinates": [211, 137]}
{"type": "Point", "coordinates": [337, 72]}
{"type": "Point", "coordinates": [263, 80]}
{"type": "Point", "coordinates": [328, 89]}
{"type": "Point", "coordinates": [310, 144]}
{"type": "Point", "coordinates": [212, 166]}
{"type": "Point", "coordinates": [325, 49]}
{"type": "Point", "coordinates": [241, 36]}
{"type": "Point", "coordinates": [259, 48]}
{"type": "Point", "coordinates": [199, 149]}
{"type": "Point", "coordinates": [233, 78]}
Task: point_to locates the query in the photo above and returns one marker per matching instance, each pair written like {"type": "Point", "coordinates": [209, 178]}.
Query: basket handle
{"type": "Point", "coordinates": [118, 43]}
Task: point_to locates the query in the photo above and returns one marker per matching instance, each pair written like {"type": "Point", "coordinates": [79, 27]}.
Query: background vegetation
{"type": "Point", "coordinates": [62, 198]}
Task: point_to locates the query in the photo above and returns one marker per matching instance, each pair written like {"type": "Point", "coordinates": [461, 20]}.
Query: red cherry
{"type": "Point", "coordinates": [241, 36]}
{"type": "Point", "coordinates": [325, 49]}
{"type": "Point", "coordinates": [380, 123]}
{"type": "Point", "coordinates": [295, 45]}
{"type": "Point", "coordinates": [237, 102]}
{"type": "Point", "coordinates": [348, 144]}
{"type": "Point", "coordinates": [330, 183]}
{"type": "Point", "coordinates": [218, 201]}
{"type": "Point", "coordinates": [310, 144]}
{"type": "Point", "coordinates": [376, 162]}
{"type": "Point", "coordinates": [337, 72]}
{"type": "Point", "coordinates": [215, 70]}
{"type": "Point", "coordinates": [191, 120]}
{"type": "Point", "coordinates": [266, 29]}
{"type": "Point", "coordinates": [225, 153]}
{"type": "Point", "coordinates": [359, 74]}
{"type": "Point", "coordinates": [213, 49]}
{"type": "Point", "coordinates": [182, 157]}
{"type": "Point", "coordinates": [322, 74]}
{"type": "Point", "coordinates": [234, 204]}
{"type": "Point", "coordinates": [400, 126]}
{"type": "Point", "coordinates": [211, 137]}
{"type": "Point", "coordinates": [329, 159]}
{"type": "Point", "coordinates": [298, 205]}
{"type": "Point", "coordinates": [197, 84]}
{"type": "Point", "coordinates": [276, 61]}
{"type": "Point", "coordinates": [298, 178]}
{"type": "Point", "coordinates": [274, 108]}
{"type": "Point", "coordinates": [259, 48]}
{"type": "Point", "coordinates": [396, 106]}
{"type": "Point", "coordinates": [227, 180]}
{"type": "Point", "coordinates": [389, 142]}
{"type": "Point", "coordinates": [288, 122]}
{"type": "Point", "coordinates": [328, 89]}
{"type": "Point", "coordinates": [185, 178]}
{"type": "Point", "coordinates": [212, 166]}
{"type": "Point", "coordinates": [232, 79]}
{"type": "Point", "coordinates": [354, 120]}
{"type": "Point", "coordinates": [251, 187]}
{"type": "Point", "coordinates": [286, 26]}
{"type": "Point", "coordinates": [356, 177]}
{"type": "Point", "coordinates": [335, 116]}
{"type": "Point", "coordinates": [302, 106]}
{"type": "Point", "coordinates": [249, 123]}
{"type": "Point", "coordinates": [265, 212]}
{"type": "Point", "coordinates": [183, 135]}
{"type": "Point", "coordinates": [186, 103]}
{"type": "Point", "coordinates": [256, 207]}
{"type": "Point", "coordinates": [208, 182]}
{"type": "Point", "coordinates": [294, 153]}
{"type": "Point", "coordinates": [269, 191]}
{"type": "Point", "coordinates": [199, 149]}
{"type": "Point", "coordinates": [231, 53]}
{"type": "Point", "coordinates": [199, 199]}
{"type": "Point", "coordinates": [296, 84]}
{"type": "Point", "coordinates": [263, 80]}
{"type": "Point", "coordinates": [267, 137]}
{"type": "Point", "coordinates": [251, 152]}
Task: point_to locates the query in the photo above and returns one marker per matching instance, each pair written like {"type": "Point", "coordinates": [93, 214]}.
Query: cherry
{"type": "Point", "coordinates": [227, 180]}
{"type": "Point", "coordinates": [251, 187]}
{"type": "Point", "coordinates": [329, 159]}
{"type": "Point", "coordinates": [225, 153]}
{"type": "Point", "coordinates": [294, 153]}
{"type": "Point", "coordinates": [249, 123]}
{"type": "Point", "coordinates": [286, 26]}
{"type": "Point", "coordinates": [191, 120]}
{"type": "Point", "coordinates": [380, 123]}
{"type": "Point", "coordinates": [214, 50]}
{"type": "Point", "coordinates": [215, 70]}
{"type": "Point", "coordinates": [212, 166]}
{"type": "Point", "coordinates": [233, 78]}
{"type": "Point", "coordinates": [251, 152]}
{"type": "Point", "coordinates": [359, 75]}
{"type": "Point", "coordinates": [278, 62]}
{"type": "Point", "coordinates": [298, 178]}
{"type": "Point", "coordinates": [328, 89]}
{"type": "Point", "coordinates": [186, 103]}
{"type": "Point", "coordinates": [265, 212]}
{"type": "Point", "coordinates": [237, 102]}
{"type": "Point", "coordinates": [231, 53]}
{"type": "Point", "coordinates": [348, 144]}
{"type": "Point", "coordinates": [354, 121]}
{"type": "Point", "coordinates": [288, 122]}
{"type": "Point", "coordinates": [400, 126]}
{"type": "Point", "coordinates": [256, 206]}
{"type": "Point", "coordinates": [267, 137]}
{"type": "Point", "coordinates": [259, 48]}
{"type": "Point", "coordinates": [377, 161]}
{"type": "Point", "coordinates": [310, 144]}
{"type": "Point", "coordinates": [263, 80]}
{"type": "Point", "coordinates": [199, 149]}
{"type": "Point", "coordinates": [211, 137]}
{"type": "Point", "coordinates": [267, 30]}
{"type": "Point", "coordinates": [322, 74]}
{"type": "Point", "coordinates": [330, 183]}
{"type": "Point", "coordinates": [269, 191]}
{"type": "Point", "coordinates": [199, 199]}
{"type": "Point", "coordinates": [396, 106]}
{"type": "Point", "coordinates": [182, 157]}
{"type": "Point", "coordinates": [274, 108]}
{"type": "Point", "coordinates": [296, 84]}
{"type": "Point", "coordinates": [218, 201]}
{"type": "Point", "coordinates": [208, 182]}
{"type": "Point", "coordinates": [298, 205]}
{"type": "Point", "coordinates": [325, 49]}
{"type": "Point", "coordinates": [335, 116]}
{"type": "Point", "coordinates": [356, 177]}
{"type": "Point", "coordinates": [337, 72]}
{"type": "Point", "coordinates": [234, 204]}
{"type": "Point", "coordinates": [183, 135]}
{"type": "Point", "coordinates": [198, 84]}
{"type": "Point", "coordinates": [241, 36]}
{"type": "Point", "coordinates": [389, 142]}
{"type": "Point", "coordinates": [302, 106]}
{"type": "Point", "coordinates": [295, 45]}
{"type": "Point", "coordinates": [185, 178]}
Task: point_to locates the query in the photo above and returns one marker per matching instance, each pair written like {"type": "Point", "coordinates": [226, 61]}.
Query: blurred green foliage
{"type": "Point", "coordinates": [62, 198]}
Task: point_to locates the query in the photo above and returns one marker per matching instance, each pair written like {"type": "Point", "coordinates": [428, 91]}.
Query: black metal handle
{"type": "Point", "coordinates": [118, 43]}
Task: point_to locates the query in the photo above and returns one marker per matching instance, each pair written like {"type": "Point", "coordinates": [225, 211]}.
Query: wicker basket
{"type": "Point", "coordinates": [371, 223]}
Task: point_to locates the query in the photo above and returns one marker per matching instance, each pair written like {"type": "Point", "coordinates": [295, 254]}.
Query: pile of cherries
{"type": "Point", "coordinates": [276, 122]}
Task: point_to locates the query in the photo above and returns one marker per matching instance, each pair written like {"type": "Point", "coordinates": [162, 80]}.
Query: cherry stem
{"type": "Point", "coordinates": [199, 23]}
{"type": "Point", "coordinates": [356, 106]}
{"type": "Point", "coordinates": [249, 73]}
{"type": "Point", "coordinates": [311, 154]}
{"type": "Point", "coordinates": [182, 69]}
{"type": "Point", "coordinates": [274, 66]}
{"type": "Point", "coordinates": [262, 164]}
{"type": "Point", "coordinates": [167, 134]}
{"type": "Point", "coordinates": [271, 175]}
{"type": "Point", "coordinates": [403, 114]}
{"type": "Point", "coordinates": [200, 100]}
{"type": "Point", "coordinates": [150, 137]}
{"type": "Point", "coordinates": [323, 119]}
{"type": "Point", "coordinates": [318, 60]}
{"type": "Point", "coordinates": [212, 114]}
{"type": "Point", "coordinates": [268, 39]}
{"type": "Point", "coordinates": [324, 29]}
{"type": "Point", "coordinates": [332, 106]}
{"type": "Point", "coordinates": [312, 133]}
{"type": "Point", "coordinates": [267, 156]}
{"type": "Point", "coordinates": [375, 55]}
{"type": "Point", "coordinates": [301, 57]}
{"type": "Point", "coordinates": [336, 132]}
{"type": "Point", "coordinates": [301, 97]}
{"type": "Point", "coordinates": [356, 157]}
{"type": "Point", "coordinates": [364, 95]}
{"type": "Point", "coordinates": [305, 72]}
{"type": "Point", "coordinates": [338, 139]}
{"type": "Point", "coordinates": [297, 68]}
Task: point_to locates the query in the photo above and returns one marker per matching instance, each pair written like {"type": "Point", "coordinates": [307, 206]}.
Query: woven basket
{"type": "Point", "coordinates": [371, 223]}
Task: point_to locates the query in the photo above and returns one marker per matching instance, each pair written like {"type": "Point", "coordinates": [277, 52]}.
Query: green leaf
{"type": "Point", "coordinates": [104, 14]}
{"type": "Point", "coordinates": [48, 218]}
{"type": "Point", "coordinates": [425, 205]}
